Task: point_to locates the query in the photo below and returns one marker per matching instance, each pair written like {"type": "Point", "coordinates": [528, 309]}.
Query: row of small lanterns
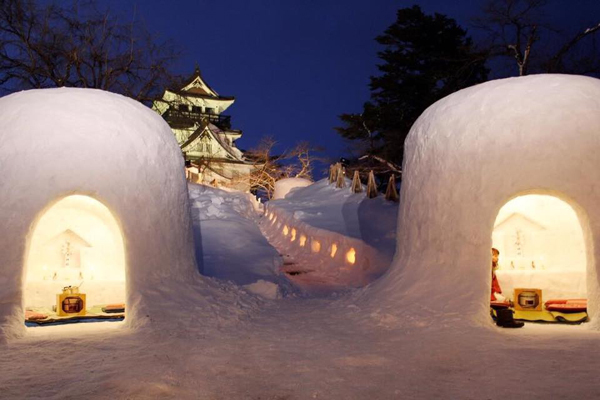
{"type": "Point", "coordinates": [315, 245]}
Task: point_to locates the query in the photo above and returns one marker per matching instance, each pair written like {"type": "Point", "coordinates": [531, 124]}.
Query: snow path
{"type": "Point", "coordinates": [228, 238]}
{"type": "Point", "coordinates": [305, 349]}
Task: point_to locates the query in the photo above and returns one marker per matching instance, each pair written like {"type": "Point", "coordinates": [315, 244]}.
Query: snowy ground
{"type": "Point", "coordinates": [305, 349]}
{"type": "Point", "coordinates": [220, 341]}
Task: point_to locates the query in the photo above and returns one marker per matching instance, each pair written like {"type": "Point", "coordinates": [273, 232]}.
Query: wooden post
{"type": "Point", "coordinates": [391, 193]}
{"type": "Point", "coordinates": [332, 173]}
{"type": "Point", "coordinates": [356, 185]}
{"type": "Point", "coordinates": [371, 187]}
{"type": "Point", "coordinates": [341, 179]}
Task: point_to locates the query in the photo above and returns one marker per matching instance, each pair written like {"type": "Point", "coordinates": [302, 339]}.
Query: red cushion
{"type": "Point", "coordinates": [567, 305]}
{"type": "Point", "coordinates": [563, 301]}
{"type": "Point", "coordinates": [32, 315]}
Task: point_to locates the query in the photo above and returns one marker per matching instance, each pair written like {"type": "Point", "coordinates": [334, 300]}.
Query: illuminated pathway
{"type": "Point", "coordinates": [319, 260]}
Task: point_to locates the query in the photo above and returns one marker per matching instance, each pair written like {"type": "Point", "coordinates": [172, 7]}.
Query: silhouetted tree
{"type": "Point", "coordinates": [518, 30]}
{"type": "Point", "coordinates": [47, 45]}
{"type": "Point", "coordinates": [425, 58]}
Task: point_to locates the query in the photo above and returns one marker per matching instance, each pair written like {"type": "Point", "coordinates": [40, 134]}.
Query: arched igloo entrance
{"type": "Point", "coordinates": [542, 265]}
{"type": "Point", "coordinates": [76, 242]}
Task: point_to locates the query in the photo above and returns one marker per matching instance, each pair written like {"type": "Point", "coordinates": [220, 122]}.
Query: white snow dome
{"type": "Point", "coordinates": [511, 163]}
{"type": "Point", "coordinates": [285, 185]}
{"type": "Point", "coordinates": [92, 190]}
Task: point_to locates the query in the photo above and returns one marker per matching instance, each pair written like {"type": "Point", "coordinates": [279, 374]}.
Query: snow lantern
{"type": "Point", "coordinates": [92, 191]}
{"type": "Point", "coordinates": [285, 185]}
{"type": "Point", "coordinates": [511, 163]}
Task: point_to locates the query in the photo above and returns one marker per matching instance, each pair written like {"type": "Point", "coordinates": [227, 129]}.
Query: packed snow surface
{"type": "Point", "coordinates": [225, 344]}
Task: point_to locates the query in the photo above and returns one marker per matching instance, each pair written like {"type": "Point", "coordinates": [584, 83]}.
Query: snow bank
{"type": "Point", "coordinates": [58, 142]}
{"type": "Point", "coordinates": [229, 240]}
{"type": "Point", "coordinates": [284, 186]}
{"type": "Point", "coordinates": [341, 236]}
{"type": "Point", "coordinates": [326, 207]}
{"type": "Point", "coordinates": [465, 157]}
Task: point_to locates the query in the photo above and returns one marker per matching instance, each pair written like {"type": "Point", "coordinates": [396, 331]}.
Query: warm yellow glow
{"type": "Point", "coordinates": [539, 229]}
{"type": "Point", "coordinates": [286, 230]}
{"type": "Point", "coordinates": [271, 217]}
{"type": "Point", "coordinates": [76, 240]}
{"type": "Point", "coordinates": [541, 243]}
{"type": "Point", "coordinates": [333, 250]}
{"type": "Point", "coordinates": [315, 246]}
{"type": "Point", "coordinates": [351, 255]}
{"type": "Point", "coordinates": [293, 235]}
{"type": "Point", "coordinates": [302, 240]}
{"type": "Point", "coordinates": [274, 219]}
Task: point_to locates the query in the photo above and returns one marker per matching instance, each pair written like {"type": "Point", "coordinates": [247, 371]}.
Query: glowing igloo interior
{"type": "Point", "coordinates": [541, 246]}
{"type": "Point", "coordinates": [76, 242]}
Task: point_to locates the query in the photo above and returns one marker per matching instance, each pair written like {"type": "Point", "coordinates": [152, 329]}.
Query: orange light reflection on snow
{"type": "Point", "coordinates": [351, 256]}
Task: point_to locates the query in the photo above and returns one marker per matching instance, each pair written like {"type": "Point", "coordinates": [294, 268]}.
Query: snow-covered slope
{"type": "Point", "coordinates": [331, 236]}
{"type": "Point", "coordinates": [338, 210]}
{"type": "Point", "coordinates": [233, 247]}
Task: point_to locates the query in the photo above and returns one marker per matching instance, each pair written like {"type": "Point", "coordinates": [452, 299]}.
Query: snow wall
{"type": "Point", "coordinates": [465, 157]}
{"type": "Point", "coordinates": [60, 142]}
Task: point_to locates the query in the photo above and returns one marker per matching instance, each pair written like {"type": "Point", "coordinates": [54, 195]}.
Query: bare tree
{"type": "Point", "coordinates": [518, 29]}
{"type": "Point", "coordinates": [269, 168]}
{"type": "Point", "coordinates": [46, 45]}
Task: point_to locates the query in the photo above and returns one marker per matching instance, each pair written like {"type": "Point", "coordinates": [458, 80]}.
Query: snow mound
{"type": "Point", "coordinates": [465, 157]}
{"type": "Point", "coordinates": [59, 142]}
{"type": "Point", "coordinates": [285, 185]}
{"type": "Point", "coordinates": [262, 288]}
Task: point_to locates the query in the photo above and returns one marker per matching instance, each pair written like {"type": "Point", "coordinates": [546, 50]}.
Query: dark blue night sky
{"type": "Point", "coordinates": [294, 66]}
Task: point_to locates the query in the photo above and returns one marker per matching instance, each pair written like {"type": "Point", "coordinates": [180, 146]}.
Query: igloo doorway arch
{"type": "Point", "coordinates": [74, 241]}
{"type": "Point", "coordinates": [541, 241]}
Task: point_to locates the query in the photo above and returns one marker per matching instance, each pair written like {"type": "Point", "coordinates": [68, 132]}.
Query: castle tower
{"type": "Point", "coordinates": [195, 114]}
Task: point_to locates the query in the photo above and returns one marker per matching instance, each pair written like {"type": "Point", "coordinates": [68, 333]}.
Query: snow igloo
{"type": "Point", "coordinates": [92, 193]}
{"type": "Point", "coordinates": [513, 164]}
